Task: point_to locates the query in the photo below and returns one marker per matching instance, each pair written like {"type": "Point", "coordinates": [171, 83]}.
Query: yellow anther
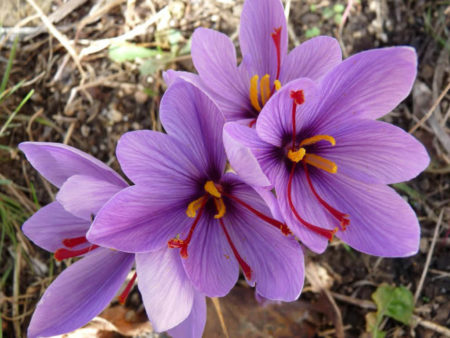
{"type": "Point", "coordinates": [220, 208]}
{"type": "Point", "coordinates": [192, 208]}
{"type": "Point", "coordinates": [211, 188]}
{"type": "Point", "coordinates": [265, 88]}
{"type": "Point", "coordinates": [317, 138]}
{"type": "Point", "coordinates": [296, 156]}
{"type": "Point", "coordinates": [277, 85]}
{"type": "Point", "coordinates": [254, 92]}
{"type": "Point", "coordinates": [321, 163]}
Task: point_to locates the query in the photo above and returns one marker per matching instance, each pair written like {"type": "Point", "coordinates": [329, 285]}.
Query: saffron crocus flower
{"type": "Point", "coordinates": [329, 160]}
{"type": "Point", "coordinates": [86, 287]}
{"type": "Point", "coordinates": [183, 200]}
{"type": "Point", "coordinates": [241, 91]}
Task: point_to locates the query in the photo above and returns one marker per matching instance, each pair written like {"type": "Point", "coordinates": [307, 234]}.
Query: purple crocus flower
{"type": "Point", "coordinates": [241, 91]}
{"type": "Point", "coordinates": [183, 199]}
{"type": "Point", "coordinates": [329, 160]}
{"type": "Point", "coordinates": [86, 287]}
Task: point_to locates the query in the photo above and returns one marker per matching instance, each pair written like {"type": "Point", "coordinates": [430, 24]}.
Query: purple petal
{"type": "Point", "coordinates": [83, 196]}
{"type": "Point", "coordinates": [240, 144]}
{"type": "Point", "coordinates": [194, 325]}
{"type": "Point", "coordinates": [214, 57]}
{"type": "Point", "coordinates": [381, 222]}
{"type": "Point", "coordinates": [369, 84]}
{"type": "Point", "coordinates": [170, 76]}
{"type": "Point", "coordinates": [140, 218]}
{"type": "Point", "coordinates": [306, 206]}
{"type": "Point", "coordinates": [275, 259]}
{"type": "Point", "coordinates": [57, 162]}
{"type": "Point", "coordinates": [210, 264]}
{"type": "Point", "coordinates": [376, 152]}
{"type": "Point", "coordinates": [259, 19]}
{"type": "Point", "coordinates": [312, 59]}
{"type": "Point", "coordinates": [188, 114]}
{"type": "Point", "coordinates": [80, 293]}
{"type": "Point", "coordinates": [51, 224]}
{"type": "Point", "coordinates": [146, 155]}
{"type": "Point", "coordinates": [275, 120]}
{"type": "Point", "coordinates": [166, 291]}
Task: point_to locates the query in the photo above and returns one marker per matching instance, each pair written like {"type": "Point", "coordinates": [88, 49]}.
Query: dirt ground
{"type": "Point", "coordinates": [86, 97]}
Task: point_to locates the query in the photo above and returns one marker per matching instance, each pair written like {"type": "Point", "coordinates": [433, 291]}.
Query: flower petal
{"type": "Point", "coordinates": [51, 224]}
{"type": "Point", "coordinates": [259, 19]}
{"type": "Point", "coordinates": [275, 259]}
{"type": "Point", "coordinates": [83, 196]}
{"type": "Point", "coordinates": [194, 325]}
{"type": "Point", "coordinates": [170, 76]}
{"type": "Point", "coordinates": [80, 293]}
{"type": "Point", "coordinates": [188, 114]}
{"type": "Point", "coordinates": [210, 265]}
{"type": "Point", "coordinates": [140, 218]}
{"type": "Point", "coordinates": [214, 57]}
{"type": "Point", "coordinates": [57, 162]}
{"type": "Point", "coordinates": [376, 152]}
{"type": "Point", "coordinates": [369, 84]}
{"type": "Point", "coordinates": [146, 155]}
{"type": "Point", "coordinates": [166, 291]}
{"type": "Point", "coordinates": [241, 143]}
{"type": "Point", "coordinates": [274, 124]}
{"type": "Point", "coordinates": [381, 222]}
{"type": "Point", "coordinates": [312, 59]}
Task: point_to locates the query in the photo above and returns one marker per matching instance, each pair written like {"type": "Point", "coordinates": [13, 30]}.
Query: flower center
{"type": "Point", "coordinates": [64, 253]}
{"type": "Point", "coordinates": [196, 208]}
{"type": "Point", "coordinates": [298, 153]}
{"type": "Point", "coordinates": [260, 91]}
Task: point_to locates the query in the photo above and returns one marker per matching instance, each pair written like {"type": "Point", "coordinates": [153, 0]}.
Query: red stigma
{"type": "Point", "coordinates": [276, 37]}
{"type": "Point", "coordinates": [245, 267]}
{"type": "Point", "coordinates": [323, 232]}
{"type": "Point", "coordinates": [73, 242]}
{"type": "Point", "coordinates": [252, 123]}
{"type": "Point", "coordinates": [298, 96]}
{"type": "Point", "coordinates": [340, 216]}
{"type": "Point", "coordinates": [298, 99]}
{"type": "Point", "coordinates": [183, 243]}
{"type": "Point", "coordinates": [124, 295]}
{"type": "Point", "coordinates": [281, 226]}
{"type": "Point", "coordinates": [64, 253]}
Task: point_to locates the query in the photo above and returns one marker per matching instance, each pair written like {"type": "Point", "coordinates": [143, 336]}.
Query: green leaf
{"type": "Point", "coordinates": [394, 302]}
{"type": "Point", "coordinates": [312, 32]}
{"type": "Point", "coordinates": [327, 13]}
{"type": "Point", "coordinates": [129, 52]}
{"type": "Point", "coordinates": [338, 8]}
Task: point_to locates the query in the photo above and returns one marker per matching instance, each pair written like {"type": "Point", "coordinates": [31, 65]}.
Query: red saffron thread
{"type": "Point", "coordinates": [340, 216]}
{"type": "Point", "coordinates": [183, 243]}
{"type": "Point", "coordinates": [323, 232]}
{"type": "Point", "coordinates": [124, 295]}
{"type": "Point", "coordinates": [281, 226]}
{"type": "Point", "coordinates": [64, 253]}
{"type": "Point", "coordinates": [73, 242]}
{"type": "Point", "coordinates": [245, 267]}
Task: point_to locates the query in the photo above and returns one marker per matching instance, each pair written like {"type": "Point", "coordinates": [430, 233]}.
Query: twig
{"type": "Point", "coordinates": [430, 112]}
{"type": "Point", "coordinates": [220, 315]}
{"type": "Point", "coordinates": [69, 133]}
{"type": "Point", "coordinates": [59, 36]}
{"type": "Point", "coordinates": [430, 254]}
{"type": "Point", "coordinates": [30, 122]}
{"type": "Point", "coordinates": [341, 25]}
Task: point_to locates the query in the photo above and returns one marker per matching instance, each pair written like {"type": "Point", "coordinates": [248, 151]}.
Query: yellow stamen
{"type": "Point", "coordinates": [296, 156]}
{"type": "Point", "coordinates": [265, 88]}
{"type": "Point", "coordinates": [321, 163]}
{"type": "Point", "coordinates": [277, 85]}
{"type": "Point", "coordinates": [254, 92]}
{"type": "Point", "coordinates": [212, 189]}
{"type": "Point", "coordinates": [192, 208]}
{"type": "Point", "coordinates": [317, 138]}
{"type": "Point", "coordinates": [220, 208]}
